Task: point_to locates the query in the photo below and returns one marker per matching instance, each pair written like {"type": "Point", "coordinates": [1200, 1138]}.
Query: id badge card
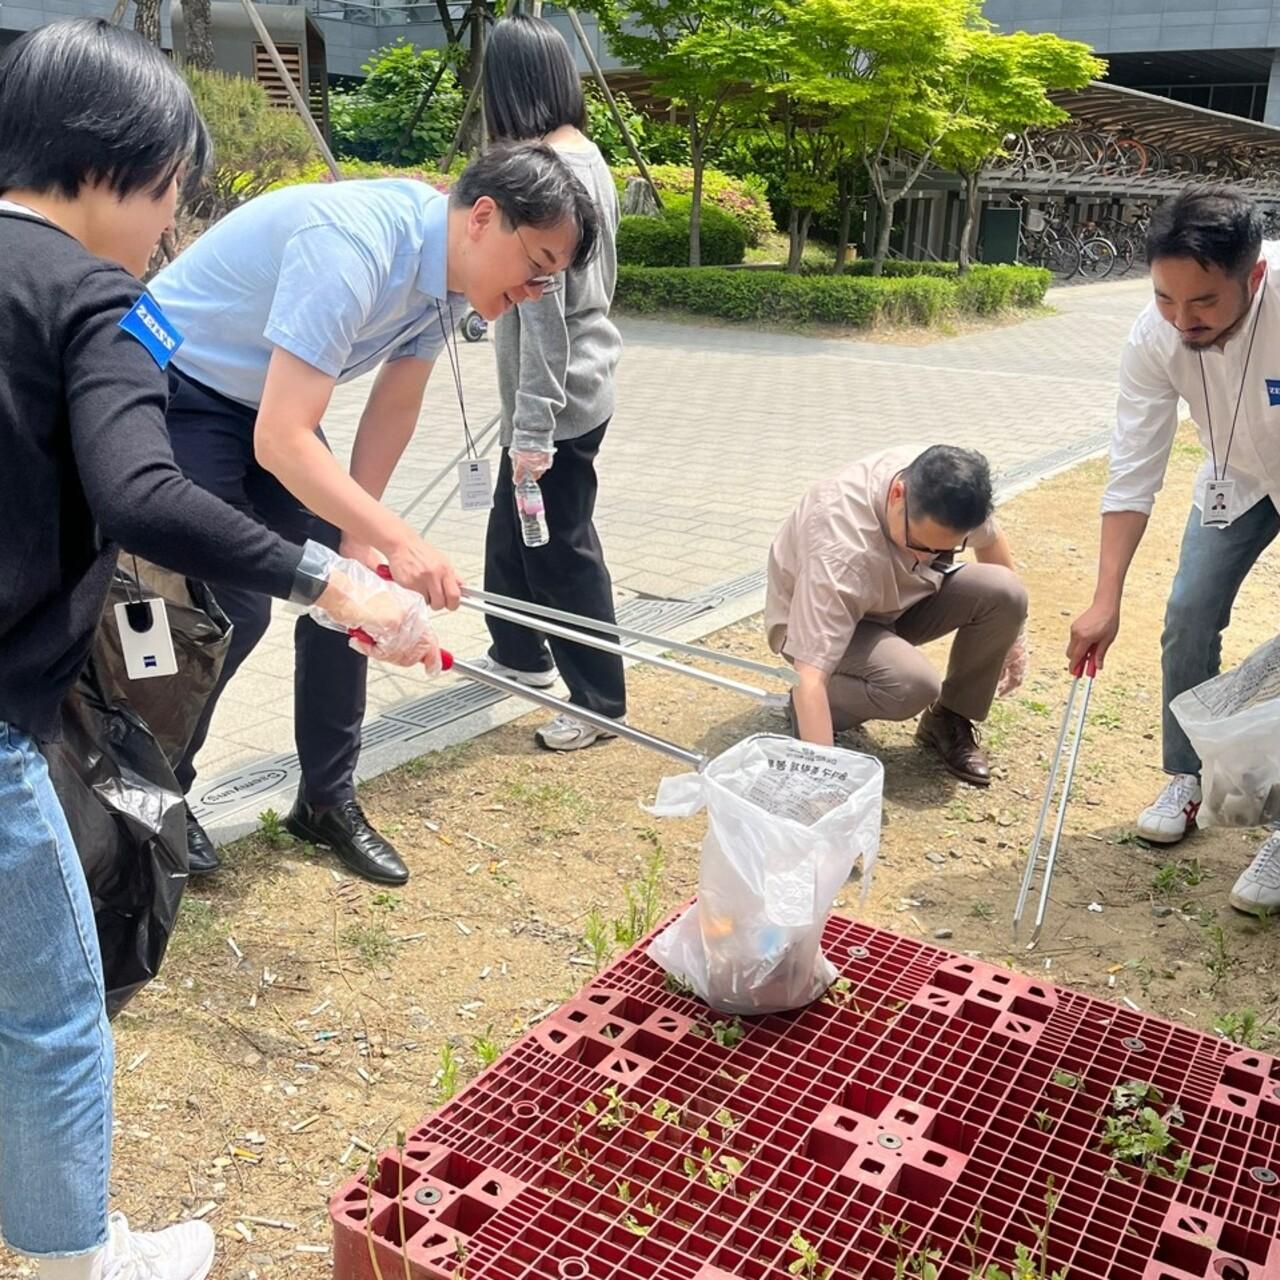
{"type": "Point", "coordinates": [475, 484]}
{"type": "Point", "coordinates": [1219, 508]}
{"type": "Point", "coordinates": [145, 639]}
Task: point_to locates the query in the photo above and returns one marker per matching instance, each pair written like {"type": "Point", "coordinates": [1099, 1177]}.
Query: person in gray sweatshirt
{"type": "Point", "coordinates": [556, 361]}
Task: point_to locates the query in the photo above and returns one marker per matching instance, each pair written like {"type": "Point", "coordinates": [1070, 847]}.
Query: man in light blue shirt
{"type": "Point", "coordinates": [279, 302]}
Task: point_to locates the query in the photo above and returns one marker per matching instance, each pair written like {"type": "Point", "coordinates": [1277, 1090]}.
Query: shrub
{"type": "Point", "coordinates": [369, 121]}
{"type": "Point", "coordinates": [664, 241]}
{"type": "Point", "coordinates": [256, 146]}
{"type": "Point", "coordinates": [898, 268]}
{"type": "Point", "coordinates": [983, 291]}
{"type": "Point", "coordinates": [743, 199]}
{"type": "Point", "coordinates": [844, 300]}
{"type": "Point", "coordinates": [318, 171]}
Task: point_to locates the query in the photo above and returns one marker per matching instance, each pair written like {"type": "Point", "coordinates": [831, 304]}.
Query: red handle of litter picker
{"type": "Point", "coordinates": [1088, 665]}
{"type": "Point", "coordinates": [359, 633]}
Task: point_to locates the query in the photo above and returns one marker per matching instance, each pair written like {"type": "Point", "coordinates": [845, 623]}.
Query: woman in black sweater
{"type": "Point", "coordinates": [97, 131]}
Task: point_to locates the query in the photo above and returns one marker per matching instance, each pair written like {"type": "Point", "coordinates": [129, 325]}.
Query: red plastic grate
{"type": "Point", "coordinates": [914, 1118]}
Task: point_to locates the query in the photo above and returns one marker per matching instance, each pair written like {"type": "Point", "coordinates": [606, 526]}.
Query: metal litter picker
{"type": "Point", "coordinates": [579, 629]}
{"type": "Point", "coordinates": [1085, 672]}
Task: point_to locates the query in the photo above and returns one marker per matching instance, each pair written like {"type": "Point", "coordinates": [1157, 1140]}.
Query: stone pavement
{"type": "Point", "coordinates": [717, 433]}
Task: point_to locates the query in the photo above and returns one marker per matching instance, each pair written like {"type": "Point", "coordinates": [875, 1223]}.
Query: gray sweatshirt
{"type": "Point", "coordinates": [556, 356]}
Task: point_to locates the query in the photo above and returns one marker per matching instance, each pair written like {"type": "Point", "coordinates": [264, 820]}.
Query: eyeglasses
{"type": "Point", "coordinates": [547, 283]}
{"type": "Point", "coordinates": [915, 546]}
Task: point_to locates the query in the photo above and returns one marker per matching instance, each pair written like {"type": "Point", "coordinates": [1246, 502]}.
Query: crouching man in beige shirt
{"type": "Point", "coordinates": [865, 570]}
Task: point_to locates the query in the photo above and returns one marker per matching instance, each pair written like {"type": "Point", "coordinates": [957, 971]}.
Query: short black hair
{"type": "Point", "coordinates": [82, 101]}
{"type": "Point", "coordinates": [951, 487]}
{"type": "Point", "coordinates": [531, 82]}
{"type": "Point", "coordinates": [534, 188]}
{"type": "Point", "coordinates": [1216, 226]}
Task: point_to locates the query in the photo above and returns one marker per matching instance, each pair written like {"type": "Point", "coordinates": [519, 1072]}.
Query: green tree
{"type": "Point", "coordinates": [1004, 81]}
{"type": "Point", "coordinates": [708, 57]}
{"type": "Point", "coordinates": [255, 145]}
{"type": "Point", "coordinates": [604, 131]}
{"type": "Point", "coordinates": [405, 111]}
{"type": "Point", "coordinates": [883, 75]}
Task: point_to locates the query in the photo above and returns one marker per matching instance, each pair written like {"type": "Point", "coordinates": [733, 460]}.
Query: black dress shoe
{"type": "Point", "coordinates": [350, 835]}
{"type": "Point", "coordinates": [202, 856]}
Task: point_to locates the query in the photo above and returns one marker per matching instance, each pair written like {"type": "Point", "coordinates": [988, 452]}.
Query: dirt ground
{"type": "Point", "coordinates": [303, 1017]}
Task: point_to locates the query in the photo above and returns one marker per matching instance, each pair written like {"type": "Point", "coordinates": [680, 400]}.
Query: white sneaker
{"type": "Point", "coordinates": [532, 679]}
{"type": "Point", "coordinates": [1258, 889]}
{"type": "Point", "coordinates": [181, 1252]}
{"type": "Point", "coordinates": [564, 733]}
{"type": "Point", "coordinates": [1175, 808]}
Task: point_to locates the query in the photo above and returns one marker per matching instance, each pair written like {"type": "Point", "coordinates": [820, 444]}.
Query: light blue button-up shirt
{"type": "Point", "coordinates": [343, 275]}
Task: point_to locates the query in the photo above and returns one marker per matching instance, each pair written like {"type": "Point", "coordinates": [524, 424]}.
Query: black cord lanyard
{"type": "Point", "coordinates": [455, 364]}
{"type": "Point", "coordinates": [1204, 382]}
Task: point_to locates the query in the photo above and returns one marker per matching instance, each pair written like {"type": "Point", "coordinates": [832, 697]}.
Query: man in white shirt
{"type": "Point", "coordinates": [1211, 336]}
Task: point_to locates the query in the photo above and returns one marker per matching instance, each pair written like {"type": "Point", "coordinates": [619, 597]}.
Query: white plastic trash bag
{"type": "Point", "coordinates": [787, 823]}
{"type": "Point", "coordinates": [1233, 722]}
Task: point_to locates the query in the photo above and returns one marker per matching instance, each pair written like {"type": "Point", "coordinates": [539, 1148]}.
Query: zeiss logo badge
{"type": "Point", "coordinates": [1273, 390]}
{"type": "Point", "coordinates": [151, 327]}
{"type": "Point", "coordinates": [150, 660]}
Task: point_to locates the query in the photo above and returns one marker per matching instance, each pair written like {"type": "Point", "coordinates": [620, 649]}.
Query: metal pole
{"type": "Point", "coordinates": [607, 646]}
{"type": "Point", "coordinates": [594, 63]}
{"type": "Point", "coordinates": [294, 95]}
{"type": "Point", "coordinates": [785, 674]}
{"type": "Point", "coordinates": [481, 443]}
{"type": "Point", "coordinates": [594, 718]}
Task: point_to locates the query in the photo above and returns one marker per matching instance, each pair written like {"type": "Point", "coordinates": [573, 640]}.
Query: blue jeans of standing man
{"type": "Point", "coordinates": [1211, 568]}
{"type": "Point", "coordinates": [56, 1053]}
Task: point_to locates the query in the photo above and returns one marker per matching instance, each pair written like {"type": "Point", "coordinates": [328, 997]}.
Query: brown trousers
{"type": "Point", "coordinates": [882, 676]}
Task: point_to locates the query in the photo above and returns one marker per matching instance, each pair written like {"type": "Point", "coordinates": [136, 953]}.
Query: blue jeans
{"type": "Point", "coordinates": [56, 1053]}
{"type": "Point", "coordinates": [1211, 568]}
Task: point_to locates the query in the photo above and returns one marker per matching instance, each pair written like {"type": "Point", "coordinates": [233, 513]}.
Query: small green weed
{"type": "Point", "coordinates": [371, 942]}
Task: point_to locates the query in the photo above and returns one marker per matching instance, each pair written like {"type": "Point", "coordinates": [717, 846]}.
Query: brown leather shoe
{"type": "Point", "coordinates": [955, 739]}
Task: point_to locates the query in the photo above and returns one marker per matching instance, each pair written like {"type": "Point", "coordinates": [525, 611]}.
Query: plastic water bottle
{"type": "Point", "coordinates": [533, 524]}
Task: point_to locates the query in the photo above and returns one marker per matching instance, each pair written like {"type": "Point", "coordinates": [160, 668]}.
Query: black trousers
{"type": "Point", "coordinates": [568, 572]}
{"type": "Point", "coordinates": [213, 444]}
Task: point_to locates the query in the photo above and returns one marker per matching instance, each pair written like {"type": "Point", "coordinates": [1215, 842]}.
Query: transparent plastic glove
{"type": "Point", "coordinates": [394, 623]}
{"type": "Point", "coordinates": [1014, 671]}
{"type": "Point", "coordinates": [530, 462]}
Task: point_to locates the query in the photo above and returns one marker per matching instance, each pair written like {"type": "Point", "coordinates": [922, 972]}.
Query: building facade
{"type": "Point", "coordinates": [1219, 54]}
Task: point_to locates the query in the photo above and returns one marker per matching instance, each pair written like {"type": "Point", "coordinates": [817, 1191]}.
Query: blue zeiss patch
{"type": "Point", "coordinates": [152, 328]}
{"type": "Point", "coordinates": [1273, 390]}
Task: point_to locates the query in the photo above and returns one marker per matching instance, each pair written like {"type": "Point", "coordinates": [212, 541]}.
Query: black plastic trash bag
{"type": "Point", "coordinates": [115, 781]}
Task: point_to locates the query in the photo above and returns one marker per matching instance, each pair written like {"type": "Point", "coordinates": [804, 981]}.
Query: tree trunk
{"type": "Point", "coordinates": [883, 232]}
{"type": "Point", "coordinates": [794, 248]}
{"type": "Point", "coordinates": [146, 20]}
{"type": "Point", "coordinates": [695, 207]}
{"type": "Point", "coordinates": [198, 26]}
{"type": "Point", "coordinates": [969, 228]}
{"type": "Point", "coordinates": [845, 206]}
{"type": "Point", "coordinates": [405, 137]}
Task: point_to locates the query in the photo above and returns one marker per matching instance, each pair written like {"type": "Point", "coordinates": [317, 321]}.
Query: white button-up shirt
{"type": "Point", "coordinates": [1157, 370]}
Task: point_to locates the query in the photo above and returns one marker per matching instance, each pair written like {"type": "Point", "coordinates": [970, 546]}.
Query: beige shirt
{"type": "Point", "coordinates": [833, 563]}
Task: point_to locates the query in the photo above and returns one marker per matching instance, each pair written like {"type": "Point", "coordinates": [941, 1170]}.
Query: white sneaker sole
{"type": "Point", "coordinates": [577, 744]}
{"type": "Point", "coordinates": [530, 679]}
{"type": "Point", "coordinates": [1163, 838]}
{"type": "Point", "coordinates": [1256, 909]}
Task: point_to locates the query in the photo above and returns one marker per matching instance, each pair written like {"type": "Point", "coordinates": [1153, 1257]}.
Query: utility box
{"type": "Point", "coordinates": [998, 235]}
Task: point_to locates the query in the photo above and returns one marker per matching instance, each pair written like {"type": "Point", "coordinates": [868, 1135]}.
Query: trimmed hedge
{"type": "Point", "coordinates": [664, 241]}
{"type": "Point", "coordinates": [898, 268]}
{"type": "Point", "coordinates": [743, 199]}
{"type": "Point", "coordinates": [853, 301]}
{"type": "Point", "coordinates": [984, 291]}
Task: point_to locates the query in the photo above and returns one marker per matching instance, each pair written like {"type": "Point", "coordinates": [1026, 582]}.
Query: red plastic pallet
{"type": "Point", "coordinates": [915, 1115]}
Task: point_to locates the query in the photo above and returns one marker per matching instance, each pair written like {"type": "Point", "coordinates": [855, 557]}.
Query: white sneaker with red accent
{"type": "Point", "coordinates": [1258, 889]}
{"type": "Point", "coordinates": [1175, 808]}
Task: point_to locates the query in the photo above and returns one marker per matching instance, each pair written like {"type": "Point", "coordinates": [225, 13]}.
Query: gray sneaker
{"type": "Point", "coordinates": [564, 733]}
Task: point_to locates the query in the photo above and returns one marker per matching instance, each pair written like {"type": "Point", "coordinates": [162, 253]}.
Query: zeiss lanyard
{"type": "Point", "coordinates": [455, 365]}
{"type": "Point", "coordinates": [1204, 382]}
